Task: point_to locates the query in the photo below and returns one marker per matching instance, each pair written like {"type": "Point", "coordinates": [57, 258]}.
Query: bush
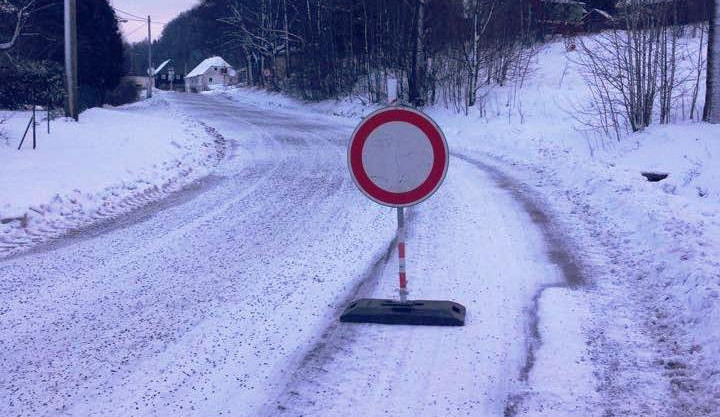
{"type": "Point", "coordinates": [126, 92]}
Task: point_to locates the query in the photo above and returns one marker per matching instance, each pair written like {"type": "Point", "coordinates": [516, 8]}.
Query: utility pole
{"type": "Point", "coordinates": [71, 101]}
{"type": "Point", "coordinates": [150, 68]}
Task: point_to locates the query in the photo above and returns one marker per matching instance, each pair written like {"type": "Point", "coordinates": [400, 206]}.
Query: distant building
{"type": "Point", "coordinates": [596, 20]}
{"type": "Point", "coordinates": [166, 78]}
{"type": "Point", "coordinates": [571, 17]}
{"type": "Point", "coordinates": [210, 72]}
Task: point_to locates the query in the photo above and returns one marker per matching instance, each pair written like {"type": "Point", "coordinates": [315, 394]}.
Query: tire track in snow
{"type": "Point", "coordinates": [198, 305]}
{"type": "Point", "coordinates": [558, 252]}
{"type": "Point", "coordinates": [335, 335]}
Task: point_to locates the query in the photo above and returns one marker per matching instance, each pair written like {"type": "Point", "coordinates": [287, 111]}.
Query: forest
{"type": "Point", "coordinates": [439, 50]}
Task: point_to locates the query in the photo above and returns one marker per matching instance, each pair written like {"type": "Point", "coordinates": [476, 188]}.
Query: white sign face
{"type": "Point", "coordinates": [397, 157]}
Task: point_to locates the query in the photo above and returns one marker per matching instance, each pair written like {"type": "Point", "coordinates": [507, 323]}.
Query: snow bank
{"type": "Point", "coordinates": [112, 160]}
{"type": "Point", "coordinates": [688, 152]}
{"type": "Point", "coordinates": [650, 249]}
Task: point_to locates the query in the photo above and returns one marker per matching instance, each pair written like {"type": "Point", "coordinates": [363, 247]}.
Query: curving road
{"type": "Point", "coordinates": [223, 299]}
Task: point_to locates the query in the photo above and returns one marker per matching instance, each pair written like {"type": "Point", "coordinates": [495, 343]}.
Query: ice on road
{"type": "Point", "coordinates": [223, 299]}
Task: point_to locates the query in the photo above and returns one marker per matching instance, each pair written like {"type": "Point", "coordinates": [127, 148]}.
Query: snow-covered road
{"type": "Point", "coordinates": [223, 299]}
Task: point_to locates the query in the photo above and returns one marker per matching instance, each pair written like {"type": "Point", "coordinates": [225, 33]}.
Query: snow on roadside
{"type": "Point", "coordinates": [111, 161]}
{"type": "Point", "coordinates": [650, 249]}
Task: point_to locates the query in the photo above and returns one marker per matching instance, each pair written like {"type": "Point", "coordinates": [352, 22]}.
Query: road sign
{"type": "Point", "coordinates": [398, 156]}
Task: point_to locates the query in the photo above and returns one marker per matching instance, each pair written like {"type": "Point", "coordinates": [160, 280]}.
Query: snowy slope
{"type": "Point", "coordinates": [651, 248]}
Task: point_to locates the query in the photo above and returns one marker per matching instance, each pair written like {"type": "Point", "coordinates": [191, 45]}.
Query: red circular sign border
{"type": "Point", "coordinates": [431, 131]}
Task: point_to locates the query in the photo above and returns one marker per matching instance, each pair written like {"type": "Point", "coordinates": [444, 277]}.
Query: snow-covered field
{"type": "Point", "coordinates": [590, 291]}
{"type": "Point", "coordinates": [113, 160]}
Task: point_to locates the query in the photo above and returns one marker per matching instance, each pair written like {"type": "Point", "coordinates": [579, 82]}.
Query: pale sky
{"type": "Point", "coordinates": [159, 10]}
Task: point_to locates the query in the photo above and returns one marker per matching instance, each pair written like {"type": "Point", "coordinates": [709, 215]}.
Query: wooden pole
{"type": "Point", "coordinates": [71, 81]}
{"type": "Point", "coordinates": [150, 69]}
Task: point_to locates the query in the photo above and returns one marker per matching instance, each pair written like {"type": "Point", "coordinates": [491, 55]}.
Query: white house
{"type": "Point", "coordinates": [212, 71]}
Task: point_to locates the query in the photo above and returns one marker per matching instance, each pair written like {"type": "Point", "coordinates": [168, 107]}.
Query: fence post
{"type": "Point", "coordinates": [33, 125]}
{"type": "Point", "coordinates": [25, 134]}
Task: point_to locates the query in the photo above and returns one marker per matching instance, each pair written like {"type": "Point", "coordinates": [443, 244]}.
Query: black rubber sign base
{"type": "Point", "coordinates": [417, 312]}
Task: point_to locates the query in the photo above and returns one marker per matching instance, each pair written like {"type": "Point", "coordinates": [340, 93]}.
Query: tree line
{"type": "Point", "coordinates": [328, 48]}
{"type": "Point", "coordinates": [437, 49]}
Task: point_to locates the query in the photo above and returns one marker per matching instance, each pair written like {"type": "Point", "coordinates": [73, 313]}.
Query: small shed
{"type": "Point", "coordinates": [596, 20]}
{"type": "Point", "coordinates": [166, 78]}
{"type": "Point", "coordinates": [210, 72]}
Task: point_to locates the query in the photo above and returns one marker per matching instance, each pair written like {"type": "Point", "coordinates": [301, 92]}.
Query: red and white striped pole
{"type": "Point", "coordinates": [401, 254]}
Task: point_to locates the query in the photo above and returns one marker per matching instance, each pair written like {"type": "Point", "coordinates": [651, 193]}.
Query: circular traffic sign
{"type": "Point", "coordinates": [398, 156]}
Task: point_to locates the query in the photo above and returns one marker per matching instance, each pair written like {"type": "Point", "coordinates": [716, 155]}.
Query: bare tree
{"type": "Point", "coordinates": [416, 78]}
{"type": "Point", "coordinates": [481, 13]}
{"type": "Point", "coordinates": [341, 47]}
{"type": "Point", "coordinates": [261, 32]}
{"type": "Point", "coordinates": [20, 9]}
{"type": "Point", "coordinates": [699, 65]}
{"type": "Point", "coordinates": [632, 70]}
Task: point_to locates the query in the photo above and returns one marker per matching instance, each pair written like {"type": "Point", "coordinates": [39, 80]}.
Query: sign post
{"type": "Point", "coordinates": [402, 288]}
{"type": "Point", "coordinates": [398, 157]}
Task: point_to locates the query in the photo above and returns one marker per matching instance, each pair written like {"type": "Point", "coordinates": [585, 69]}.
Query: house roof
{"type": "Point", "coordinates": [160, 68]}
{"type": "Point", "coordinates": [602, 13]}
{"type": "Point", "coordinates": [215, 61]}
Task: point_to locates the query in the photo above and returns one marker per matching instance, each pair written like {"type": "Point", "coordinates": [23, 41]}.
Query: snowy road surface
{"type": "Point", "coordinates": [223, 299]}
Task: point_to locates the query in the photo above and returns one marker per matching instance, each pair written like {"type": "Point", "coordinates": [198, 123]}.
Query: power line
{"type": "Point", "coordinates": [127, 13]}
{"type": "Point", "coordinates": [134, 30]}
{"type": "Point", "coordinates": [143, 20]}
{"type": "Point", "coordinates": [136, 17]}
